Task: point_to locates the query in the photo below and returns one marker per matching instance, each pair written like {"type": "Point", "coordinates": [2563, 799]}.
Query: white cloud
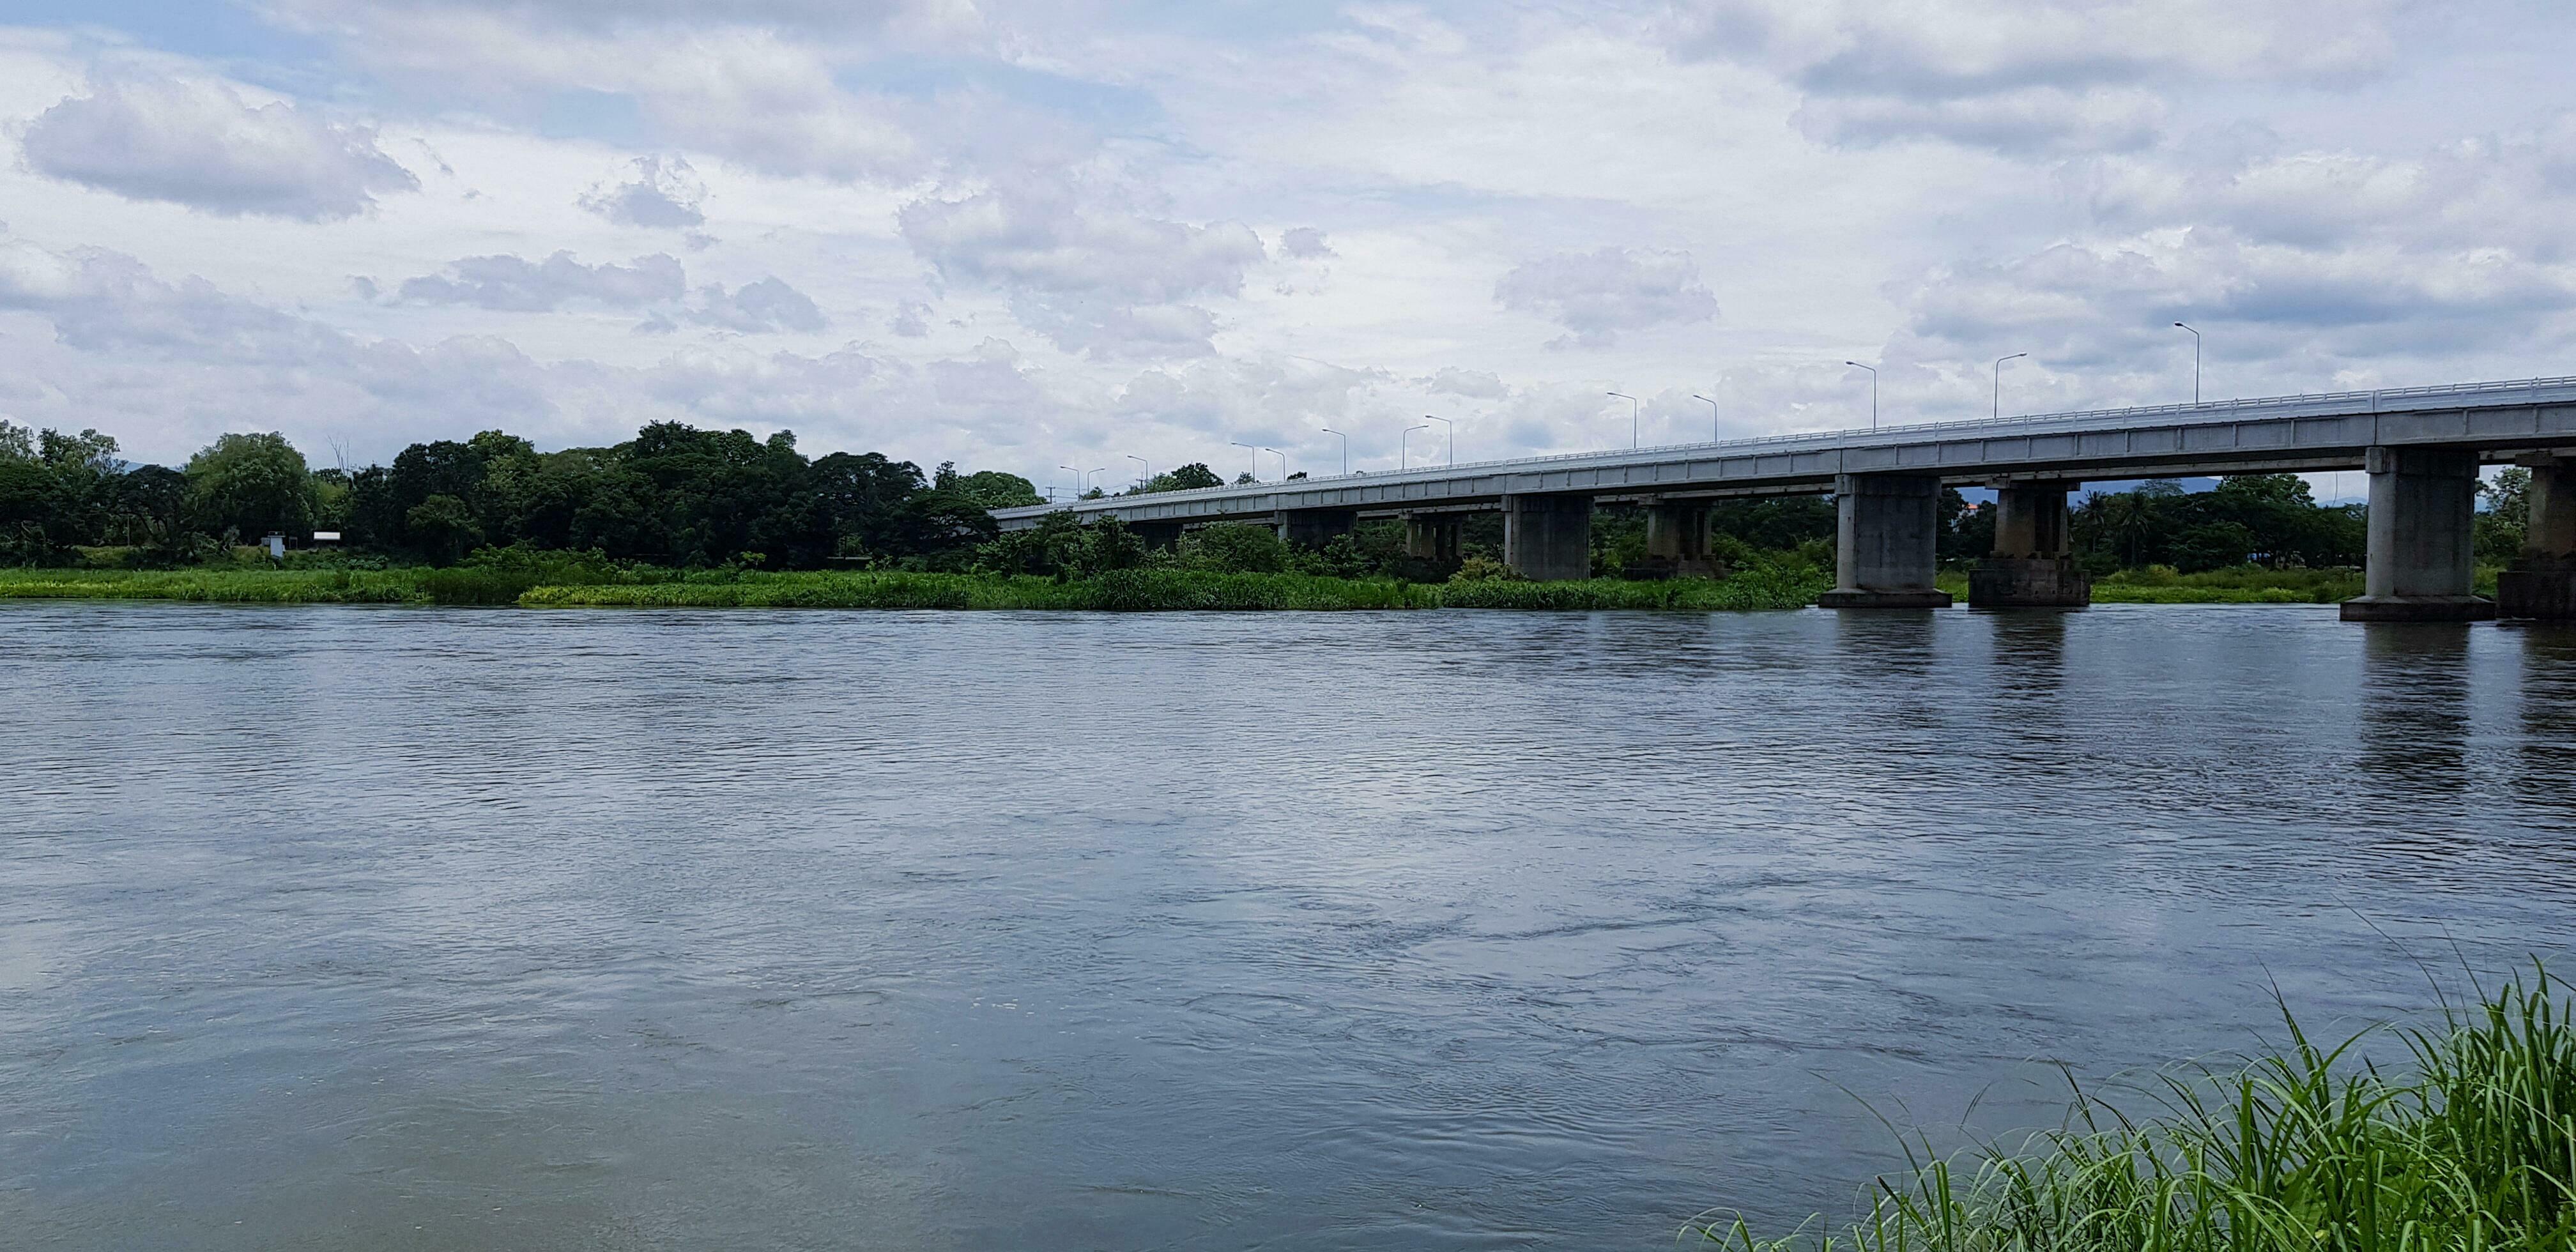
{"type": "Point", "coordinates": [764, 305]}
{"type": "Point", "coordinates": [1091, 277]}
{"type": "Point", "coordinates": [1473, 384]}
{"type": "Point", "coordinates": [2027, 76]}
{"type": "Point", "coordinates": [2040, 119]}
{"type": "Point", "coordinates": [664, 194]}
{"type": "Point", "coordinates": [1305, 243]}
{"type": "Point", "coordinates": [102, 301]}
{"type": "Point", "coordinates": [1596, 296]}
{"type": "Point", "coordinates": [196, 142]}
{"type": "Point", "coordinates": [515, 284]}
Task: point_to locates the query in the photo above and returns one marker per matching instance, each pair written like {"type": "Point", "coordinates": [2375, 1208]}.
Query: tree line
{"type": "Point", "coordinates": [673, 495]}
{"type": "Point", "coordinates": [679, 496]}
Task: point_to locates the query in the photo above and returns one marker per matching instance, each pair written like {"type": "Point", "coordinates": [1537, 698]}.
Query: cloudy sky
{"type": "Point", "coordinates": [1027, 235]}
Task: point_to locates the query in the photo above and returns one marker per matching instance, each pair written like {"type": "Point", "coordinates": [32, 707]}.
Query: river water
{"type": "Point", "coordinates": [398, 928]}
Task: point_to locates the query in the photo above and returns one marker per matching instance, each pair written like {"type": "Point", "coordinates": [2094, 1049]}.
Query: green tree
{"type": "Point", "coordinates": [250, 485]}
{"type": "Point", "coordinates": [443, 529]}
{"type": "Point", "coordinates": [994, 489]}
{"type": "Point", "coordinates": [1189, 477]}
{"type": "Point", "coordinates": [1234, 548]}
{"type": "Point", "coordinates": [2504, 516]}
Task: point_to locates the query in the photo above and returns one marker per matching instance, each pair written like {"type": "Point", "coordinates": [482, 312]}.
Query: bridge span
{"type": "Point", "coordinates": [2421, 447]}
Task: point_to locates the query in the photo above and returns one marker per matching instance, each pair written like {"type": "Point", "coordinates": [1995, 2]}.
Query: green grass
{"type": "Point", "coordinates": [1122, 590]}
{"type": "Point", "coordinates": [2467, 1143]}
{"type": "Point", "coordinates": [230, 586]}
{"type": "Point", "coordinates": [2244, 584]}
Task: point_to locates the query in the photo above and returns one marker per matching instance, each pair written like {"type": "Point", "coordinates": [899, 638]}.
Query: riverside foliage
{"type": "Point", "coordinates": [2468, 1145]}
{"type": "Point", "coordinates": [675, 503]}
{"type": "Point", "coordinates": [1120, 590]}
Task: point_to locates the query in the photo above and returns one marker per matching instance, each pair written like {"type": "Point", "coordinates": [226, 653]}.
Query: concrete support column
{"type": "Point", "coordinates": [1165, 535]}
{"type": "Point", "coordinates": [1548, 538]}
{"type": "Point", "coordinates": [1886, 541]}
{"type": "Point", "coordinates": [1313, 528]}
{"type": "Point", "coordinates": [1677, 537]}
{"type": "Point", "coordinates": [1433, 536]}
{"type": "Point", "coordinates": [2033, 565]}
{"type": "Point", "coordinates": [2542, 582]}
{"type": "Point", "coordinates": [2423, 507]}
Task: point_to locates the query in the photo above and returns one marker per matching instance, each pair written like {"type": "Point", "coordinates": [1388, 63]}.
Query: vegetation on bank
{"type": "Point", "coordinates": [681, 507]}
{"type": "Point", "coordinates": [2241, 584]}
{"type": "Point", "coordinates": [2467, 1144]}
{"type": "Point", "coordinates": [1126, 590]}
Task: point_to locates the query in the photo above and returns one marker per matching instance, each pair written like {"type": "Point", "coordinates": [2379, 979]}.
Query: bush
{"type": "Point", "coordinates": [1234, 549]}
{"type": "Point", "coordinates": [1477, 569]}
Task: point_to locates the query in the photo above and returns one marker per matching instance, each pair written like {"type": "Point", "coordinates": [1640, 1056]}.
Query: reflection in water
{"type": "Point", "coordinates": [429, 929]}
{"type": "Point", "coordinates": [2414, 700]}
{"type": "Point", "coordinates": [2546, 750]}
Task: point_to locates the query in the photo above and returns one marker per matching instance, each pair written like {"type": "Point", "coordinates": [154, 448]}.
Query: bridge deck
{"type": "Point", "coordinates": [2309, 433]}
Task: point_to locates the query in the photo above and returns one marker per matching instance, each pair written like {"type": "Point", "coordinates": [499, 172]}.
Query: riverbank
{"type": "Point", "coordinates": [1115, 591]}
{"type": "Point", "coordinates": [1137, 590]}
{"type": "Point", "coordinates": [2244, 584]}
{"type": "Point", "coordinates": [2467, 1141]}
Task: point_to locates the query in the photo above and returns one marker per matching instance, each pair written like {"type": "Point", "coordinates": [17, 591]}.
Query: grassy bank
{"type": "Point", "coordinates": [2159, 584]}
{"type": "Point", "coordinates": [1117, 591]}
{"type": "Point", "coordinates": [2244, 584]}
{"type": "Point", "coordinates": [2461, 1138]}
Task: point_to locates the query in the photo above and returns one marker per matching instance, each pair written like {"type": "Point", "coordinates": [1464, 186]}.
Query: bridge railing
{"type": "Point", "coordinates": [2100, 419]}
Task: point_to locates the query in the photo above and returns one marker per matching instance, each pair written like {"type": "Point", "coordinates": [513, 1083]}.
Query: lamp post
{"type": "Point", "coordinates": [1256, 457]}
{"type": "Point", "coordinates": [1283, 463]}
{"type": "Point", "coordinates": [1634, 406]}
{"type": "Point", "coordinates": [1404, 448]}
{"type": "Point", "coordinates": [1086, 477]}
{"type": "Point", "coordinates": [1448, 437]}
{"type": "Point", "coordinates": [1712, 414]}
{"type": "Point", "coordinates": [1346, 449]}
{"type": "Point", "coordinates": [1873, 390]}
{"type": "Point", "coordinates": [1077, 479]}
{"type": "Point", "coordinates": [1144, 472]}
{"type": "Point", "coordinates": [2195, 364]}
{"type": "Point", "coordinates": [1999, 380]}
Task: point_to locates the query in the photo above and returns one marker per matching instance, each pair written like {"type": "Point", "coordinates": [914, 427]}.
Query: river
{"type": "Point", "coordinates": [335, 927]}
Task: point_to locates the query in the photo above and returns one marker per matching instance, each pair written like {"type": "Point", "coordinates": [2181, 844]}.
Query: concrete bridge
{"type": "Point", "coordinates": [2421, 446]}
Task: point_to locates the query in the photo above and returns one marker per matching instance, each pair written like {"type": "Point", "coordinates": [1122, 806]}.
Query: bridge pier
{"type": "Point", "coordinates": [1313, 528]}
{"type": "Point", "coordinates": [2423, 510]}
{"type": "Point", "coordinates": [2542, 582]}
{"type": "Point", "coordinates": [1886, 542]}
{"type": "Point", "coordinates": [1163, 535]}
{"type": "Point", "coordinates": [1548, 538]}
{"type": "Point", "coordinates": [1433, 536]}
{"type": "Point", "coordinates": [1677, 537]}
{"type": "Point", "coordinates": [2033, 565]}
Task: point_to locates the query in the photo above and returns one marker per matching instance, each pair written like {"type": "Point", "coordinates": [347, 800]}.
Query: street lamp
{"type": "Point", "coordinates": [1404, 449]}
{"type": "Point", "coordinates": [2195, 363]}
{"type": "Point", "coordinates": [1256, 458]}
{"type": "Point", "coordinates": [1077, 478]}
{"type": "Point", "coordinates": [1999, 380]}
{"type": "Point", "coordinates": [1144, 472]}
{"type": "Point", "coordinates": [1634, 405]}
{"type": "Point", "coordinates": [1346, 449]}
{"type": "Point", "coordinates": [1448, 436]}
{"type": "Point", "coordinates": [1283, 463]}
{"type": "Point", "coordinates": [1712, 414]}
{"type": "Point", "coordinates": [1086, 478]}
{"type": "Point", "coordinates": [1873, 390]}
